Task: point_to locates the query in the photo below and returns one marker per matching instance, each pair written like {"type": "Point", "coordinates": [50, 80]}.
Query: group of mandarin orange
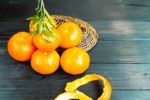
{"type": "Point", "coordinates": [40, 43]}
{"type": "Point", "coordinates": [39, 46]}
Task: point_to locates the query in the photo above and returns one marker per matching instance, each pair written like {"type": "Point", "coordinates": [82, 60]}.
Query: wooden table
{"type": "Point", "coordinates": [122, 53]}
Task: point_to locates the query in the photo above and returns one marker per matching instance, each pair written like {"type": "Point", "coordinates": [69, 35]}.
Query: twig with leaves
{"type": "Point", "coordinates": [44, 22]}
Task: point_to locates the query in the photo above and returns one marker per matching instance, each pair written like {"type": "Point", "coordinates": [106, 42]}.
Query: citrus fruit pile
{"type": "Point", "coordinates": [39, 45]}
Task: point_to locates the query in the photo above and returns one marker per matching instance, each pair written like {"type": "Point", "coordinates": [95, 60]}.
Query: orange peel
{"type": "Point", "coordinates": [71, 91]}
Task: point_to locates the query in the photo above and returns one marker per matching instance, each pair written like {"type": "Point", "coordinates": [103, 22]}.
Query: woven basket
{"type": "Point", "coordinates": [90, 35]}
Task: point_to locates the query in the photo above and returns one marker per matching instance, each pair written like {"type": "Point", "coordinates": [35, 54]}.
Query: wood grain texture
{"type": "Point", "coordinates": [49, 95]}
{"type": "Point", "coordinates": [20, 81]}
{"type": "Point", "coordinates": [108, 30]}
{"type": "Point", "coordinates": [121, 54]}
{"type": "Point", "coordinates": [20, 76]}
{"type": "Point", "coordinates": [88, 9]}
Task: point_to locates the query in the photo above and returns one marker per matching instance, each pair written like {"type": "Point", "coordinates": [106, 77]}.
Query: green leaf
{"type": "Point", "coordinates": [34, 33]}
{"type": "Point", "coordinates": [51, 19]}
{"type": "Point", "coordinates": [53, 36]}
{"type": "Point", "coordinates": [46, 38]}
{"type": "Point", "coordinates": [40, 27]}
{"type": "Point", "coordinates": [48, 31]}
{"type": "Point", "coordinates": [35, 19]}
{"type": "Point", "coordinates": [40, 19]}
{"type": "Point", "coordinates": [47, 24]}
{"type": "Point", "coordinates": [29, 18]}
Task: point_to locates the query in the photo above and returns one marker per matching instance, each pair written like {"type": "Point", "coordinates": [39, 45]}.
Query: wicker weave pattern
{"type": "Point", "coordinates": [90, 35]}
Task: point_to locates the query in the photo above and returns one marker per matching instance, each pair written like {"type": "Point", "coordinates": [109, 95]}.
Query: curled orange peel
{"type": "Point", "coordinates": [73, 93]}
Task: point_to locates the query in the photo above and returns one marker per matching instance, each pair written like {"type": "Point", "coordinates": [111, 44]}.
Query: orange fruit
{"type": "Point", "coordinates": [45, 46]}
{"type": "Point", "coordinates": [45, 62]}
{"type": "Point", "coordinates": [71, 34]}
{"type": "Point", "coordinates": [20, 46]}
{"type": "Point", "coordinates": [75, 61]}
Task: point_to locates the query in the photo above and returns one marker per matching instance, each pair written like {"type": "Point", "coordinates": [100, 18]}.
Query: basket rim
{"type": "Point", "coordinates": [78, 21]}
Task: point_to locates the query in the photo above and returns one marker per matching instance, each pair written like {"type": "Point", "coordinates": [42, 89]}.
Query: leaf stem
{"type": "Point", "coordinates": [43, 20]}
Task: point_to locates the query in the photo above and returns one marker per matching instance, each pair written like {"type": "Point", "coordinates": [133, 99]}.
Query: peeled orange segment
{"type": "Point", "coordinates": [73, 93]}
{"type": "Point", "coordinates": [67, 96]}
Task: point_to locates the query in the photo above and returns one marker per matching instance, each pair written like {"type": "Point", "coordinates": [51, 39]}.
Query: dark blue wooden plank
{"type": "Point", "coordinates": [20, 76]}
{"type": "Point", "coordinates": [121, 52]}
{"type": "Point", "coordinates": [49, 95]}
{"type": "Point", "coordinates": [122, 30]}
{"type": "Point", "coordinates": [129, 81]}
{"type": "Point", "coordinates": [108, 30]}
{"type": "Point", "coordinates": [121, 55]}
{"type": "Point", "coordinates": [131, 95]}
{"type": "Point", "coordinates": [87, 9]}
